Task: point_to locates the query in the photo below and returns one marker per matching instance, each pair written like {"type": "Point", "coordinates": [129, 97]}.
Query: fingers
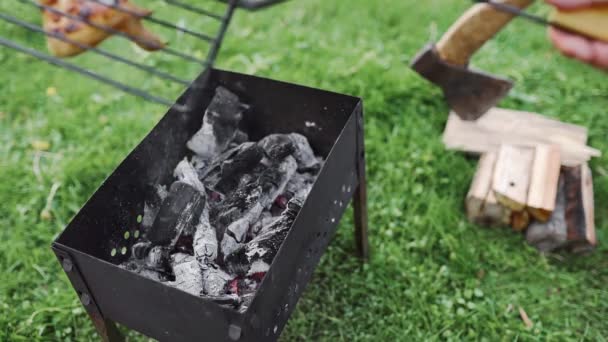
{"type": "Point", "coordinates": [573, 4]}
{"type": "Point", "coordinates": [592, 52]}
{"type": "Point", "coordinates": [600, 54]}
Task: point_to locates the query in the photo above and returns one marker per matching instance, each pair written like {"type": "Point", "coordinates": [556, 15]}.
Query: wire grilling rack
{"type": "Point", "coordinates": [193, 31]}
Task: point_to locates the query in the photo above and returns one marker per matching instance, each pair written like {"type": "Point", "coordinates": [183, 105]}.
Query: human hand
{"type": "Point", "coordinates": [587, 50]}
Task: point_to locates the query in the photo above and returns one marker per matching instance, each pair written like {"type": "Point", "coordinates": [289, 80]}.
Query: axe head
{"type": "Point", "coordinates": [469, 93]}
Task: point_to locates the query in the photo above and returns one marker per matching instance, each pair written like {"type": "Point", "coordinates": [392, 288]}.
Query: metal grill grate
{"type": "Point", "coordinates": [189, 27]}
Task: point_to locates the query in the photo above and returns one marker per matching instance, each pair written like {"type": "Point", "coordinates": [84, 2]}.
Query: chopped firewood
{"type": "Point", "coordinates": [579, 208]}
{"type": "Point", "coordinates": [481, 204]}
{"type": "Point", "coordinates": [520, 220]}
{"type": "Point", "coordinates": [543, 181]}
{"type": "Point", "coordinates": [502, 126]}
{"type": "Point", "coordinates": [533, 124]}
{"type": "Point", "coordinates": [494, 212]}
{"type": "Point", "coordinates": [481, 186]}
{"type": "Point", "coordinates": [551, 235]}
{"type": "Point", "coordinates": [512, 176]}
{"type": "Point", "coordinates": [572, 222]}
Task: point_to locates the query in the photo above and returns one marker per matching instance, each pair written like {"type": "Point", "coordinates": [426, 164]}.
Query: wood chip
{"type": "Point", "coordinates": [525, 318]}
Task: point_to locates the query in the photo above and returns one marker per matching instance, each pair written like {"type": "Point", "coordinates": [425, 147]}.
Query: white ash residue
{"type": "Point", "coordinates": [217, 229]}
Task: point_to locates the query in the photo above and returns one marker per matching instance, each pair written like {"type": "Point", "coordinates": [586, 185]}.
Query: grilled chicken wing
{"type": "Point", "coordinates": [100, 17]}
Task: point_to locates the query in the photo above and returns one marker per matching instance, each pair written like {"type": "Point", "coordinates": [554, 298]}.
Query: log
{"type": "Point", "coordinates": [494, 212]}
{"type": "Point", "coordinates": [481, 204]}
{"type": "Point", "coordinates": [579, 208]}
{"type": "Point", "coordinates": [480, 187]}
{"type": "Point", "coordinates": [571, 224]}
{"type": "Point", "coordinates": [503, 126]}
{"type": "Point", "coordinates": [551, 235]}
{"type": "Point", "coordinates": [512, 176]}
{"type": "Point", "coordinates": [520, 220]}
{"type": "Point", "coordinates": [543, 182]}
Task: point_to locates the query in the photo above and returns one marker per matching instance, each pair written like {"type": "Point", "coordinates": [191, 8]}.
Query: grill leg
{"type": "Point", "coordinates": [360, 204]}
{"type": "Point", "coordinates": [360, 196]}
{"type": "Point", "coordinates": [106, 329]}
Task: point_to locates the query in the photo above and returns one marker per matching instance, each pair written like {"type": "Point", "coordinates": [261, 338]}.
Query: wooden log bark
{"type": "Point", "coordinates": [551, 235]}
{"type": "Point", "coordinates": [571, 224]}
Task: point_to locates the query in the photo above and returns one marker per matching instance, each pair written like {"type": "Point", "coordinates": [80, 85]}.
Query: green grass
{"type": "Point", "coordinates": [432, 275]}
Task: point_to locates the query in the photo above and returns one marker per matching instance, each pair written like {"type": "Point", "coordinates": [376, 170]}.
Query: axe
{"type": "Point", "coordinates": [469, 93]}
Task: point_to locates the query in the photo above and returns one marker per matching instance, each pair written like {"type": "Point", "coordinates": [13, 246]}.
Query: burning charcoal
{"type": "Point", "coordinates": [242, 163]}
{"type": "Point", "coordinates": [185, 173]}
{"type": "Point", "coordinates": [256, 256]}
{"type": "Point", "coordinates": [297, 182]}
{"type": "Point", "coordinates": [198, 163]}
{"type": "Point", "coordinates": [277, 146]}
{"type": "Point", "coordinates": [242, 286]}
{"type": "Point", "coordinates": [143, 271]}
{"type": "Point", "coordinates": [178, 213]}
{"type": "Point", "coordinates": [293, 193]}
{"type": "Point", "coordinates": [188, 274]}
{"type": "Point", "coordinates": [265, 219]}
{"type": "Point", "coordinates": [226, 300]}
{"type": "Point", "coordinates": [157, 258]}
{"type": "Point", "coordinates": [240, 137]}
{"type": "Point", "coordinates": [225, 172]}
{"type": "Point", "coordinates": [214, 279]}
{"type": "Point", "coordinates": [154, 198]}
{"type": "Point", "coordinates": [220, 125]}
{"type": "Point", "coordinates": [303, 153]}
{"type": "Point", "coordinates": [274, 181]}
{"type": "Point", "coordinates": [262, 190]}
{"type": "Point", "coordinates": [235, 234]}
{"type": "Point", "coordinates": [205, 239]}
{"type": "Point", "coordinates": [141, 249]}
{"type": "Point", "coordinates": [184, 243]}
{"type": "Point", "coordinates": [302, 194]}
{"type": "Point", "coordinates": [246, 301]}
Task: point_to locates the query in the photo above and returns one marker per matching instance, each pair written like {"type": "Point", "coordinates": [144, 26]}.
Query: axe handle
{"type": "Point", "coordinates": [478, 25]}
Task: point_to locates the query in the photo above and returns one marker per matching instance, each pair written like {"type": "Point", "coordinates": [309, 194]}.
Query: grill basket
{"type": "Point", "coordinates": [333, 123]}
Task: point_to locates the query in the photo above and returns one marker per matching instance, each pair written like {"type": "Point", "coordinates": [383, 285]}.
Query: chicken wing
{"type": "Point", "coordinates": [92, 28]}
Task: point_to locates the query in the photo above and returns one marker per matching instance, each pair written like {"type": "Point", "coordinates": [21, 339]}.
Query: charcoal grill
{"type": "Point", "coordinates": [102, 233]}
{"type": "Point", "coordinates": [94, 242]}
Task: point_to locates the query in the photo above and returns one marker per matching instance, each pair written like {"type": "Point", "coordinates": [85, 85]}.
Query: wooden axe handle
{"type": "Point", "coordinates": [478, 25]}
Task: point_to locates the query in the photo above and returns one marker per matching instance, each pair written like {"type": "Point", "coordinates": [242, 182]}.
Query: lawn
{"type": "Point", "coordinates": [432, 275]}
